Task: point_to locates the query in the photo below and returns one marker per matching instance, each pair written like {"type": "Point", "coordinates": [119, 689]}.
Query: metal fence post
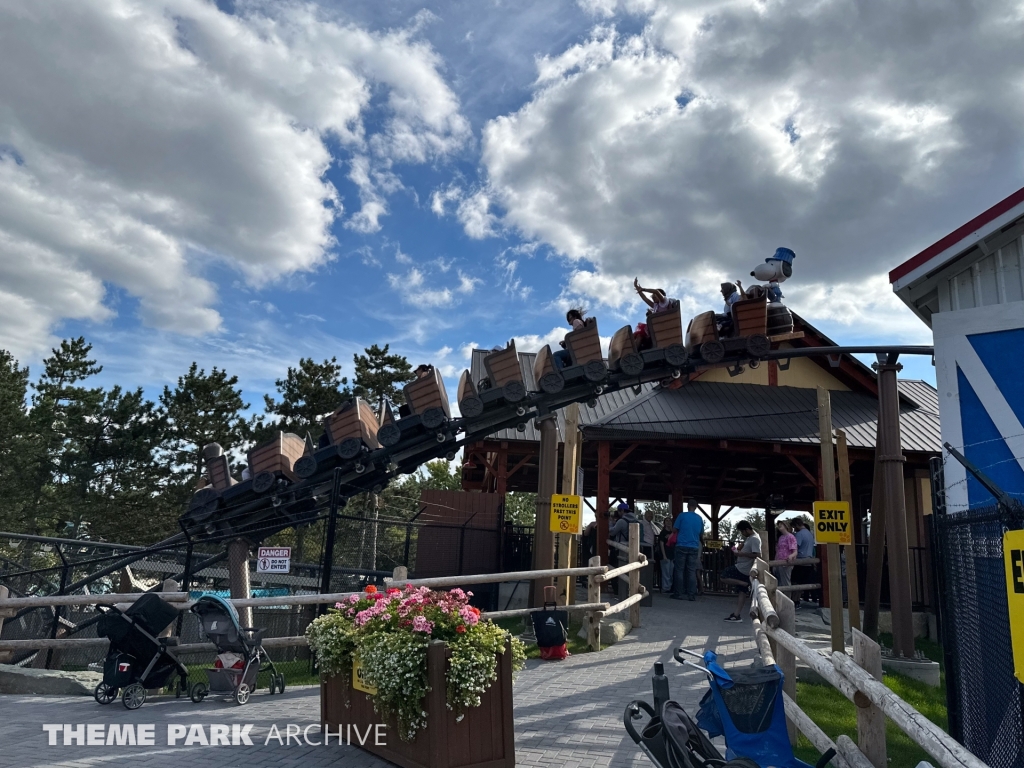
{"type": "Point", "coordinates": [332, 529]}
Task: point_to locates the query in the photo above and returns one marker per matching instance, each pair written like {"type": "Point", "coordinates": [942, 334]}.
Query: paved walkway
{"type": "Point", "coordinates": [567, 713]}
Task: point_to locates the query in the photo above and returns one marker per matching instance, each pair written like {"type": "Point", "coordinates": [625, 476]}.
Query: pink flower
{"type": "Point", "coordinates": [421, 624]}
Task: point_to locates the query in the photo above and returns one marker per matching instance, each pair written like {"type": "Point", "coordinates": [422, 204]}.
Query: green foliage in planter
{"type": "Point", "coordinates": [390, 631]}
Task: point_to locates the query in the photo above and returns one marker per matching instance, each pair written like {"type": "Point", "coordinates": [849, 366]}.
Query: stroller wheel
{"type": "Point", "coordinates": [273, 684]}
{"type": "Point", "coordinates": [280, 683]}
{"type": "Point", "coordinates": [134, 696]}
{"type": "Point", "coordinates": [242, 694]}
{"type": "Point", "coordinates": [104, 694]}
{"type": "Point", "coordinates": [198, 693]}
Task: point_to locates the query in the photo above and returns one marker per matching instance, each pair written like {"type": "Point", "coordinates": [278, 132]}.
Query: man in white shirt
{"type": "Point", "coordinates": [739, 574]}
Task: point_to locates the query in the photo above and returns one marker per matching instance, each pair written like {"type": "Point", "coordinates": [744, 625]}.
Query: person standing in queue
{"type": "Point", "coordinates": [689, 528]}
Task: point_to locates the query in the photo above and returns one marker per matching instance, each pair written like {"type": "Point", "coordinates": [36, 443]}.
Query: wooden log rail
{"type": "Point", "coordinates": [594, 608]}
{"type": "Point", "coordinates": [856, 680]}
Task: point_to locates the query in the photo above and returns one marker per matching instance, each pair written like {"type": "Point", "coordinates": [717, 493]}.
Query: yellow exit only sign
{"type": "Point", "coordinates": [833, 523]}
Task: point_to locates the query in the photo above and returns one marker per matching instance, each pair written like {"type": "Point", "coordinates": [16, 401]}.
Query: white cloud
{"type": "Point", "coordinates": [727, 128]}
{"type": "Point", "coordinates": [142, 141]}
{"type": "Point", "coordinates": [476, 217]}
{"type": "Point", "coordinates": [467, 283]}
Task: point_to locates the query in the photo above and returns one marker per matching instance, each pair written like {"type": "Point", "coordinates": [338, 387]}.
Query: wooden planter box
{"type": "Point", "coordinates": [483, 739]}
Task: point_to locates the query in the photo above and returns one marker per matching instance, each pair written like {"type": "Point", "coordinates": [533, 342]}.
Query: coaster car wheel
{"type": "Point", "coordinates": [350, 447]}
{"type": "Point", "coordinates": [712, 351]}
{"type": "Point", "coordinates": [514, 391]}
{"type": "Point", "coordinates": [595, 370]}
{"type": "Point", "coordinates": [483, 385]}
{"type": "Point", "coordinates": [104, 694]}
{"type": "Point", "coordinates": [676, 355]}
{"type": "Point", "coordinates": [204, 503]}
{"type": "Point", "coordinates": [552, 382]}
{"type": "Point", "coordinates": [263, 482]}
{"type": "Point", "coordinates": [433, 418]}
{"type": "Point", "coordinates": [758, 345]}
{"type": "Point", "coordinates": [631, 364]}
{"type": "Point", "coordinates": [389, 435]}
{"type": "Point", "coordinates": [471, 406]}
{"type": "Point", "coordinates": [305, 467]}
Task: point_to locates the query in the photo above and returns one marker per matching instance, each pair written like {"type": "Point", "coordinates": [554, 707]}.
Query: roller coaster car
{"type": "Point", "coordinates": [503, 383]}
{"type": "Point", "coordinates": [274, 460]}
{"type": "Point", "coordinates": [749, 335]}
{"type": "Point", "coordinates": [349, 432]}
{"type": "Point", "coordinates": [426, 409]}
{"type": "Point", "coordinates": [268, 463]}
{"type": "Point", "coordinates": [587, 362]}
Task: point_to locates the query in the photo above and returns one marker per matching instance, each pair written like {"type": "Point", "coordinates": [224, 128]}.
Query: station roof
{"type": "Point", "coordinates": [950, 247]}
{"type": "Point", "coordinates": [723, 411]}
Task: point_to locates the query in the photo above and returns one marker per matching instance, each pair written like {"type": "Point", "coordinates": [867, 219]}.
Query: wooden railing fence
{"type": "Point", "coordinates": [859, 679]}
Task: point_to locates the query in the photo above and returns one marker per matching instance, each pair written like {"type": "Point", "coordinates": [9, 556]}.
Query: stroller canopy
{"type": "Point", "coordinates": [220, 624]}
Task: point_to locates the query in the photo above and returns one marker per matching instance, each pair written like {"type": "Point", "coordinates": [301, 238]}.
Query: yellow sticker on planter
{"type": "Point", "coordinates": [358, 681]}
{"type": "Point", "coordinates": [1013, 554]}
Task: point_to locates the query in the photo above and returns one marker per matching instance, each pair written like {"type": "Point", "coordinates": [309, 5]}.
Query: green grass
{"type": "Point", "coordinates": [574, 644]}
{"type": "Point", "coordinates": [835, 714]}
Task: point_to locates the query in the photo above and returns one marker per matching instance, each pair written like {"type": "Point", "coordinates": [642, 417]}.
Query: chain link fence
{"type": "Point", "coordinates": [985, 701]}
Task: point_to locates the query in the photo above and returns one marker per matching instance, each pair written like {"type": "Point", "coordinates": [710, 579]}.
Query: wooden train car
{"type": "Point", "coordinates": [586, 360]}
{"type": "Point", "coordinates": [427, 398]}
{"type": "Point", "coordinates": [503, 383]}
{"type": "Point", "coordinates": [749, 334]}
{"type": "Point", "coordinates": [350, 430]}
{"type": "Point", "coordinates": [275, 459]}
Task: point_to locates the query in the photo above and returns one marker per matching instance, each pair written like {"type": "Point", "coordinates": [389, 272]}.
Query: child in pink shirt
{"type": "Point", "coordinates": [785, 549]}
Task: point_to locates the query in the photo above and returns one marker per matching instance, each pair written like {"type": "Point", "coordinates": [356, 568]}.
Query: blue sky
{"type": "Point", "coordinates": [246, 183]}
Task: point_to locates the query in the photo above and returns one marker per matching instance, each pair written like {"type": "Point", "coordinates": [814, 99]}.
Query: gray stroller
{"type": "Point", "coordinates": [243, 646]}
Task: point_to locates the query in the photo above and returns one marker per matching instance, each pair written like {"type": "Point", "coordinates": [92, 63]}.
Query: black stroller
{"type": "Point", "coordinates": [744, 706]}
{"type": "Point", "coordinates": [241, 646]}
{"type": "Point", "coordinates": [137, 659]}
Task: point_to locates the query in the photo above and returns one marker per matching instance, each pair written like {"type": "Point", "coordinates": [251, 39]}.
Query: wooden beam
{"type": "Point", "coordinates": [846, 494]}
{"type": "Point", "coordinates": [622, 455]}
{"type": "Point", "coordinates": [810, 478]}
{"type": "Point", "coordinates": [828, 481]}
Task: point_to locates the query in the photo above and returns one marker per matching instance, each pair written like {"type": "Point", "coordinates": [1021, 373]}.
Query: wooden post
{"type": "Point", "coordinates": [601, 502]}
{"type": "Point", "coordinates": [570, 460]}
{"type": "Point", "coordinates": [892, 460]}
{"type": "Point", "coordinates": [771, 585]}
{"type": "Point", "coordinates": [543, 538]}
{"type": "Point", "coordinates": [828, 482]}
{"type": "Point", "coordinates": [594, 617]}
{"type": "Point", "coordinates": [634, 575]}
{"type": "Point", "coordinates": [876, 544]}
{"type": "Point", "coordinates": [784, 657]}
{"type": "Point", "coordinates": [238, 576]}
{"type": "Point", "coordinates": [870, 720]}
{"type": "Point", "coordinates": [400, 575]}
{"type": "Point", "coordinates": [846, 494]}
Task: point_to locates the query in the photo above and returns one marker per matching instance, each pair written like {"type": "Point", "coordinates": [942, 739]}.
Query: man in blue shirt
{"type": "Point", "coordinates": [689, 528]}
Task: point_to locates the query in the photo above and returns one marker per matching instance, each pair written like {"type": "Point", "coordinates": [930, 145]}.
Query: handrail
{"type": "Point", "coordinates": [614, 573]}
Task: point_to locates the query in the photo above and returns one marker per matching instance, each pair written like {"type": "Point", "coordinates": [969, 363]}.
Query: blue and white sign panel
{"type": "Point", "coordinates": [979, 359]}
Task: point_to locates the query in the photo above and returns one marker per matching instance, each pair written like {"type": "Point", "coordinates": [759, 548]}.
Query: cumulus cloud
{"type": "Point", "coordinates": [142, 141]}
{"type": "Point", "coordinates": [847, 132]}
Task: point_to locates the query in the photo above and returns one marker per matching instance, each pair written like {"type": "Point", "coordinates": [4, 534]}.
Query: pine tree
{"type": "Point", "coordinates": [379, 376]}
{"type": "Point", "coordinates": [308, 394]}
{"type": "Point", "coordinates": [61, 410]}
{"type": "Point", "coordinates": [203, 408]}
{"type": "Point", "coordinates": [14, 438]}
